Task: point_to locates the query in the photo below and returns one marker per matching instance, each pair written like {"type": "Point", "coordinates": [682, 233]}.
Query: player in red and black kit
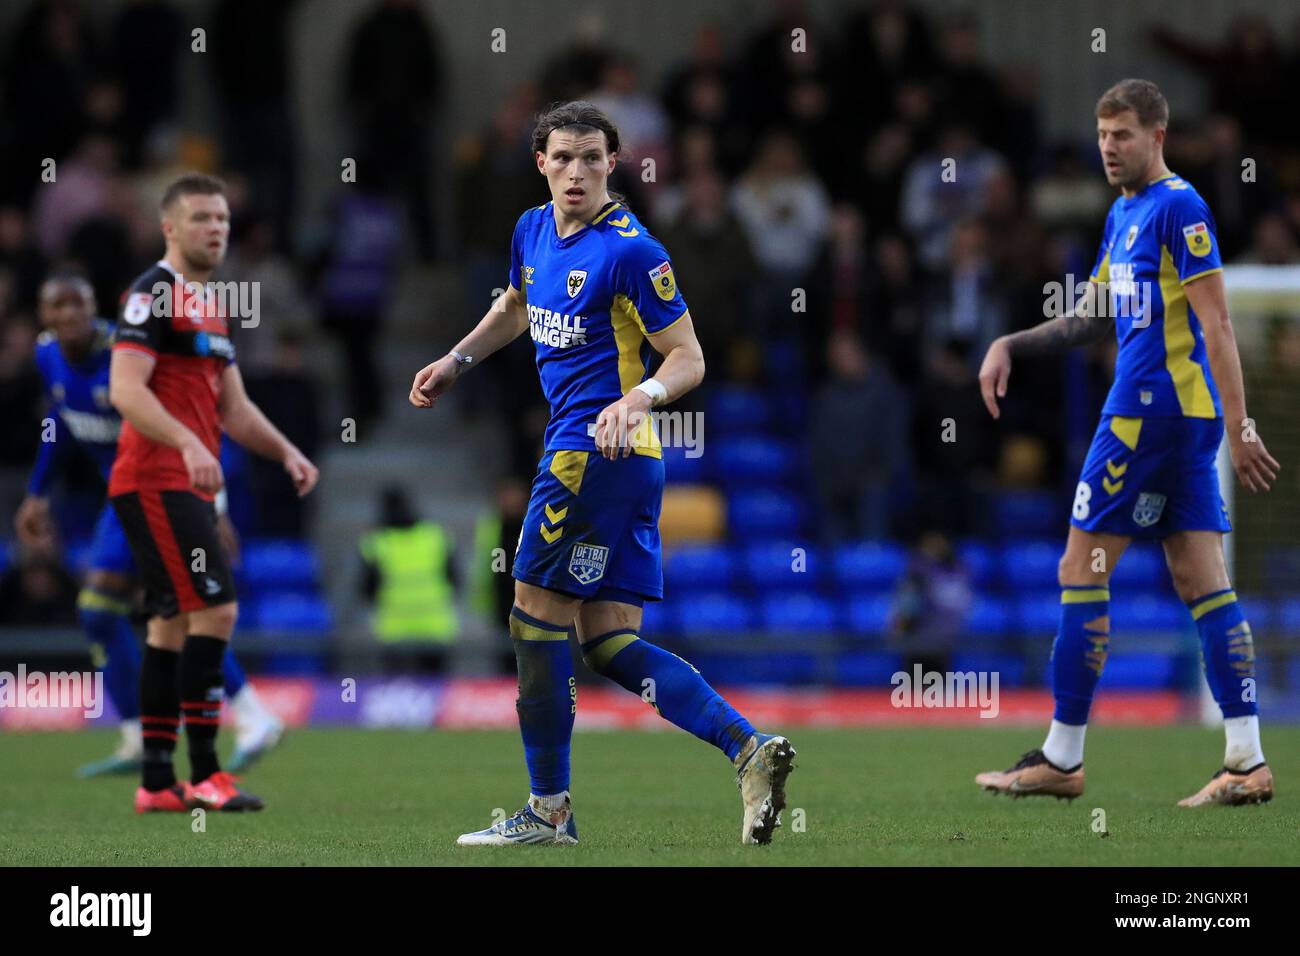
{"type": "Point", "coordinates": [174, 380]}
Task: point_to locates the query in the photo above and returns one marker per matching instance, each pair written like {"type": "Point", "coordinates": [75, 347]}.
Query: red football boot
{"type": "Point", "coordinates": [219, 792]}
{"type": "Point", "coordinates": [178, 798]}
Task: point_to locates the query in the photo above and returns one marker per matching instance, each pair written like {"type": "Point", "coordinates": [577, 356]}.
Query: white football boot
{"type": "Point", "coordinates": [761, 768]}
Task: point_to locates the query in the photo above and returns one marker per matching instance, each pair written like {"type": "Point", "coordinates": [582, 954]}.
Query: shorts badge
{"type": "Point", "coordinates": [587, 562]}
{"type": "Point", "coordinates": [1148, 509]}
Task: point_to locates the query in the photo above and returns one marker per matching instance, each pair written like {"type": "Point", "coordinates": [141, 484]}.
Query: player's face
{"type": "Point", "coordinates": [199, 228]}
{"type": "Point", "coordinates": [68, 308]}
{"type": "Point", "coordinates": [577, 167]}
{"type": "Point", "coordinates": [1127, 149]}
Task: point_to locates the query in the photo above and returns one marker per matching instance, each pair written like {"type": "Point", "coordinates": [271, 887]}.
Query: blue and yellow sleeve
{"type": "Point", "coordinates": [1101, 270]}
{"type": "Point", "coordinates": [648, 281]}
{"type": "Point", "coordinates": [1188, 232]}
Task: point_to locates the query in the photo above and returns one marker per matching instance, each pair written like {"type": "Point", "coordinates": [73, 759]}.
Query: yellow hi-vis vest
{"type": "Point", "coordinates": [415, 599]}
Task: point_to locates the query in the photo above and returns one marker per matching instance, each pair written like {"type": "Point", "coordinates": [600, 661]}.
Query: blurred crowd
{"type": "Point", "coordinates": [797, 189]}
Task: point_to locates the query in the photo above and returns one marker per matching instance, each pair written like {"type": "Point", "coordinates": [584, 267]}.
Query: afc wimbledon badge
{"type": "Point", "coordinates": [1198, 239]}
{"type": "Point", "coordinates": [662, 276]}
{"type": "Point", "coordinates": [1148, 509]}
{"type": "Point", "coordinates": [587, 562]}
{"type": "Point", "coordinates": [1132, 237]}
{"type": "Point", "coordinates": [577, 277]}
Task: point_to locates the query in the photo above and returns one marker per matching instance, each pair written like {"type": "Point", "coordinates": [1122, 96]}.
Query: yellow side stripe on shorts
{"type": "Point", "coordinates": [1211, 604]}
{"type": "Point", "coordinates": [1126, 430]}
{"type": "Point", "coordinates": [1085, 595]}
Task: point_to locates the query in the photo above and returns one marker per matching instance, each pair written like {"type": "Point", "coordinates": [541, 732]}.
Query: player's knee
{"type": "Point", "coordinates": [1187, 585]}
{"type": "Point", "coordinates": [217, 621]}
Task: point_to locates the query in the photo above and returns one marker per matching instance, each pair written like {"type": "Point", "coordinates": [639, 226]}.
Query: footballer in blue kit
{"type": "Point", "coordinates": [72, 357]}
{"type": "Point", "coordinates": [1151, 471]}
{"type": "Point", "coordinates": [599, 298]}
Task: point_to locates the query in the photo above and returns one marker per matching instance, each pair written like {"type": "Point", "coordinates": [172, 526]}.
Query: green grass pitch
{"type": "Point", "coordinates": [878, 796]}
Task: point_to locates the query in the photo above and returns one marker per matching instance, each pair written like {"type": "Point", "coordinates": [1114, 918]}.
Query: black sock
{"type": "Point", "coordinates": [202, 688]}
{"type": "Point", "coordinates": [160, 708]}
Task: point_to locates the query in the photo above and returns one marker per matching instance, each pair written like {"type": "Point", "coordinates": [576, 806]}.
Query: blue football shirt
{"type": "Point", "coordinates": [592, 298]}
{"type": "Point", "coordinates": [1155, 243]}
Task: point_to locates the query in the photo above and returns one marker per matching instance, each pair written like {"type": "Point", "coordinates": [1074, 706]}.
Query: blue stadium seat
{"type": "Point", "coordinates": [1287, 616]}
{"type": "Point", "coordinates": [1010, 668]}
{"type": "Point", "coordinates": [867, 613]}
{"type": "Point", "coordinates": [784, 669]}
{"type": "Point", "coordinates": [766, 514]}
{"type": "Point", "coordinates": [294, 613]}
{"type": "Point", "coordinates": [783, 360]}
{"type": "Point", "coordinates": [1147, 612]}
{"type": "Point", "coordinates": [774, 566]}
{"type": "Point", "coordinates": [681, 469]}
{"type": "Point", "coordinates": [790, 414]}
{"type": "Point", "coordinates": [734, 409]}
{"type": "Point", "coordinates": [1032, 514]}
{"type": "Point", "coordinates": [1260, 612]}
{"type": "Point", "coordinates": [1141, 568]}
{"type": "Point", "coordinates": [869, 564]}
{"type": "Point", "coordinates": [983, 563]}
{"type": "Point", "coordinates": [754, 460]}
{"type": "Point", "coordinates": [1138, 671]}
{"type": "Point", "coordinates": [699, 567]}
{"type": "Point", "coordinates": [1030, 567]}
{"type": "Point", "coordinates": [867, 668]}
{"type": "Point", "coordinates": [716, 612]}
{"type": "Point", "coordinates": [988, 615]}
{"type": "Point", "coordinates": [662, 617]}
{"type": "Point", "coordinates": [6, 554]}
{"type": "Point", "coordinates": [798, 612]}
{"type": "Point", "coordinates": [280, 564]}
{"type": "Point", "coordinates": [1037, 614]}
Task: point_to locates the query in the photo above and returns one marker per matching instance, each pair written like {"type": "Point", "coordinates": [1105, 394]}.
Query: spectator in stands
{"type": "Point", "coordinates": [701, 94]}
{"type": "Point", "coordinates": [930, 605]}
{"type": "Point", "coordinates": [642, 124]}
{"type": "Point", "coordinates": [1274, 243]}
{"type": "Point", "coordinates": [858, 469]}
{"type": "Point", "coordinates": [713, 248]}
{"type": "Point", "coordinates": [38, 590]}
{"type": "Point", "coordinates": [785, 213]}
{"type": "Point", "coordinates": [944, 187]}
{"type": "Point", "coordinates": [289, 395]}
{"type": "Point", "coordinates": [22, 264]}
{"type": "Point", "coordinates": [79, 192]}
{"type": "Point", "coordinates": [250, 58]}
{"type": "Point", "coordinates": [21, 408]}
{"type": "Point", "coordinates": [149, 39]}
{"type": "Point", "coordinates": [359, 276]}
{"type": "Point", "coordinates": [394, 78]}
{"type": "Point", "coordinates": [410, 575]}
{"type": "Point", "coordinates": [966, 302]}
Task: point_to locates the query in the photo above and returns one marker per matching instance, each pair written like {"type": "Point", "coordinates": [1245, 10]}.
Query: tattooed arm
{"type": "Point", "coordinates": [1080, 326]}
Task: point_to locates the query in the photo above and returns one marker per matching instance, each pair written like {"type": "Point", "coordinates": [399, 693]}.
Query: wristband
{"type": "Point", "coordinates": [655, 390]}
{"type": "Point", "coordinates": [219, 502]}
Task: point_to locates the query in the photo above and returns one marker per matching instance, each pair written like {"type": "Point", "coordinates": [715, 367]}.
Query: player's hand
{"type": "Point", "coordinates": [994, 374]}
{"type": "Point", "coordinates": [300, 469]}
{"type": "Point", "coordinates": [32, 522]}
{"type": "Point", "coordinates": [617, 422]}
{"type": "Point", "coordinates": [229, 538]}
{"type": "Point", "coordinates": [204, 469]}
{"type": "Point", "coordinates": [432, 381]}
{"type": "Point", "coordinates": [1254, 466]}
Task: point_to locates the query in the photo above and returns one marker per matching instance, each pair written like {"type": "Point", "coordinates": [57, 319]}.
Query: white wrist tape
{"type": "Point", "coordinates": [219, 502]}
{"type": "Point", "coordinates": [655, 390]}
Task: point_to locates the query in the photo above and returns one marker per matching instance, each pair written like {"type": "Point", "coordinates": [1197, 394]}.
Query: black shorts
{"type": "Point", "coordinates": [173, 538]}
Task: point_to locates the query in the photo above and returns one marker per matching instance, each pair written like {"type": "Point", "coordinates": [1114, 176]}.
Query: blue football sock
{"type": "Point", "coordinates": [1228, 652]}
{"type": "Point", "coordinates": [114, 647]}
{"type": "Point", "coordinates": [232, 672]}
{"type": "Point", "coordinates": [548, 700]}
{"type": "Point", "coordinates": [669, 684]}
{"type": "Point", "coordinates": [1079, 652]}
